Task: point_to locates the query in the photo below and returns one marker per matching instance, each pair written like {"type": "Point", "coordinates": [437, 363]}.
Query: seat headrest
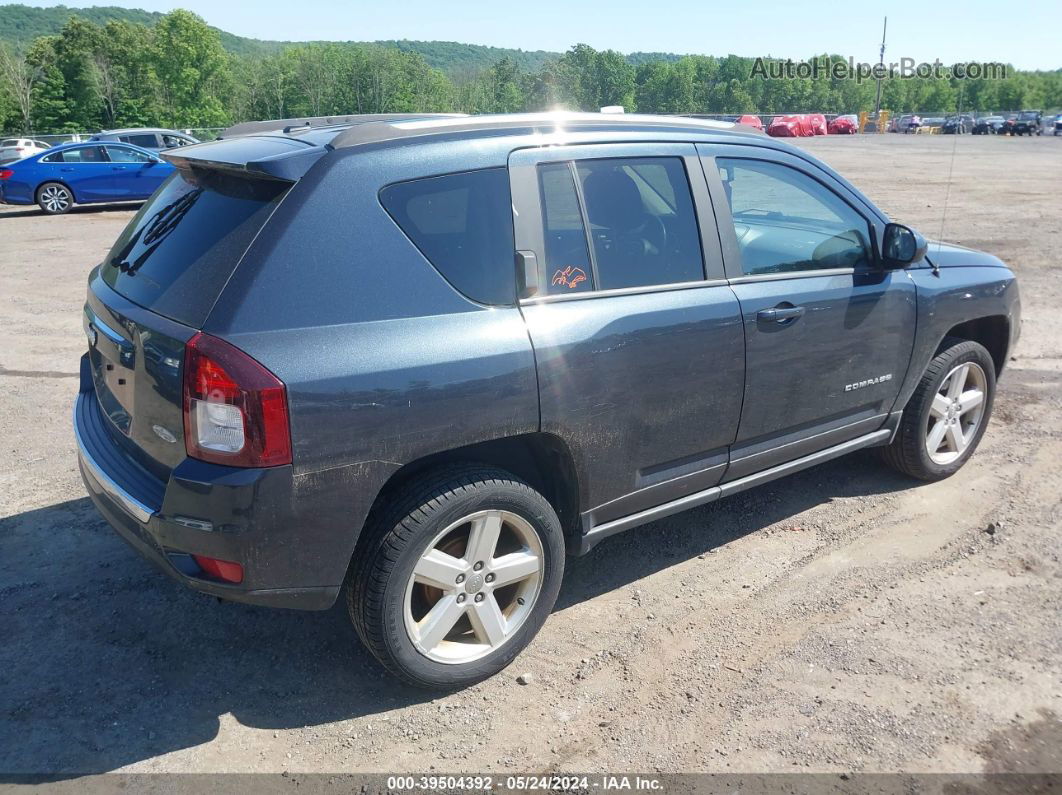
{"type": "Point", "coordinates": [612, 198]}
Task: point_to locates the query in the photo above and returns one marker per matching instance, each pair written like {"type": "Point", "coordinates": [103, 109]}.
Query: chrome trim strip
{"type": "Point", "coordinates": [132, 505]}
{"type": "Point", "coordinates": [108, 332]}
{"type": "Point", "coordinates": [725, 490]}
{"type": "Point", "coordinates": [653, 288]}
{"type": "Point", "coordinates": [773, 277]}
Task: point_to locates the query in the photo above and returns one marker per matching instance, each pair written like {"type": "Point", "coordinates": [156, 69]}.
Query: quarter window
{"type": "Point", "coordinates": [785, 221]}
{"type": "Point", "coordinates": [636, 213]}
{"type": "Point", "coordinates": [463, 225]}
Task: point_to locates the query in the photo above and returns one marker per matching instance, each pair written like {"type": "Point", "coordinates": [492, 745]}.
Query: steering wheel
{"type": "Point", "coordinates": [647, 240]}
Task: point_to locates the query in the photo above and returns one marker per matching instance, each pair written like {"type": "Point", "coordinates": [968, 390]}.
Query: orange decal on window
{"type": "Point", "coordinates": [569, 277]}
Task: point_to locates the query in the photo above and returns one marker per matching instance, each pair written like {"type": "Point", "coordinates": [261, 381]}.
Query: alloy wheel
{"type": "Point", "coordinates": [474, 586]}
{"type": "Point", "coordinates": [55, 198]}
{"type": "Point", "coordinates": [956, 412]}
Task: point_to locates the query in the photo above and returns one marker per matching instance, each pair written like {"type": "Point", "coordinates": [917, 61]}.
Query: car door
{"type": "Point", "coordinates": [637, 337]}
{"type": "Point", "coordinates": [137, 174]}
{"type": "Point", "coordinates": [85, 169]}
{"type": "Point", "coordinates": [828, 333]}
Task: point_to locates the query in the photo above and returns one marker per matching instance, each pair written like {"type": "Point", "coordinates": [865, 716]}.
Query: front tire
{"type": "Point", "coordinates": [946, 416]}
{"type": "Point", "coordinates": [458, 575]}
{"type": "Point", "coordinates": [54, 198]}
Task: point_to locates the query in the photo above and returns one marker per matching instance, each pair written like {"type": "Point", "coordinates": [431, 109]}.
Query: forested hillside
{"type": "Point", "coordinates": [98, 70]}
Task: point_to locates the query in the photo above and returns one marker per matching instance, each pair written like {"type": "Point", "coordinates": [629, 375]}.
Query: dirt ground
{"type": "Point", "coordinates": [840, 619]}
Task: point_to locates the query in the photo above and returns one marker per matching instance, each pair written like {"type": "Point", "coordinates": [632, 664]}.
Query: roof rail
{"type": "Point", "coordinates": [310, 122]}
{"type": "Point", "coordinates": [397, 129]}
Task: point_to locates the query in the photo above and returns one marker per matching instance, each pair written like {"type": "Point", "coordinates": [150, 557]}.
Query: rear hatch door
{"type": "Point", "coordinates": [155, 289]}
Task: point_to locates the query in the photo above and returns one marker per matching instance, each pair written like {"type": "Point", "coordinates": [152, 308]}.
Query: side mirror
{"type": "Point", "coordinates": [902, 246]}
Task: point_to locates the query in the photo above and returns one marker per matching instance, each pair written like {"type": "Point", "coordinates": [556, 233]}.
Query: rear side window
{"type": "Point", "coordinates": [567, 257]}
{"type": "Point", "coordinates": [147, 140]}
{"type": "Point", "coordinates": [463, 225]}
{"type": "Point", "coordinates": [636, 213]}
{"type": "Point", "coordinates": [83, 154]}
{"type": "Point", "coordinates": [178, 252]}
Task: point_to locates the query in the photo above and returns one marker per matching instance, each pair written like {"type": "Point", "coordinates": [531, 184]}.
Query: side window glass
{"type": "Point", "coordinates": [785, 221]}
{"type": "Point", "coordinates": [567, 259]}
{"type": "Point", "coordinates": [83, 154]}
{"type": "Point", "coordinates": [463, 225]}
{"type": "Point", "coordinates": [146, 140]}
{"type": "Point", "coordinates": [122, 154]}
{"type": "Point", "coordinates": [643, 227]}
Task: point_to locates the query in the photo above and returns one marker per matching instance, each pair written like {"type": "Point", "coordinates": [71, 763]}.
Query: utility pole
{"type": "Point", "coordinates": [881, 68]}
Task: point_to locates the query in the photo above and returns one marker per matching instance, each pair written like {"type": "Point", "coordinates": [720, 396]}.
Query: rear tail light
{"type": "Point", "coordinates": [220, 569]}
{"type": "Point", "coordinates": [6, 173]}
{"type": "Point", "coordinates": [235, 410]}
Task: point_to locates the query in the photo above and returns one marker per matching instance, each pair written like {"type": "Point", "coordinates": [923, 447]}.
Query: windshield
{"type": "Point", "coordinates": [178, 252]}
{"type": "Point", "coordinates": [1027, 114]}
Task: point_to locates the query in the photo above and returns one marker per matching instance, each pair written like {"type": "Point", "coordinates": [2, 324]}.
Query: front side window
{"type": "Point", "coordinates": [785, 221]}
{"type": "Point", "coordinates": [463, 225]}
{"type": "Point", "coordinates": [636, 213]}
{"type": "Point", "coordinates": [122, 154]}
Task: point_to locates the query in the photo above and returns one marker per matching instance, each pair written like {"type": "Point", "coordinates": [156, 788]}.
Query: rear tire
{"type": "Point", "coordinates": [435, 599]}
{"type": "Point", "coordinates": [54, 198]}
{"type": "Point", "coordinates": [946, 416]}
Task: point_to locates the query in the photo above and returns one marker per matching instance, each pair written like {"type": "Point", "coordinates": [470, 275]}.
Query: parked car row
{"type": "Point", "coordinates": [112, 166]}
{"type": "Point", "coordinates": [12, 149]}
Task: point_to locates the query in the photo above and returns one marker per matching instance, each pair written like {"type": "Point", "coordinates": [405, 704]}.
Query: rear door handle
{"type": "Point", "coordinates": [780, 314]}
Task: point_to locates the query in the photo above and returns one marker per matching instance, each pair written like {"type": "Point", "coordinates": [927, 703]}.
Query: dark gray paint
{"type": "Point", "coordinates": [385, 363]}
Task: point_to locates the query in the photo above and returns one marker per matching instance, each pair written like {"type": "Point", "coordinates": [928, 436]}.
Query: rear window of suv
{"type": "Point", "coordinates": [463, 225]}
{"type": "Point", "coordinates": [178, 252]}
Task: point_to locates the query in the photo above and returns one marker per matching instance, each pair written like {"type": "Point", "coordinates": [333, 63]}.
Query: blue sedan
{"type": "Point", "coordinates": [82, 174]}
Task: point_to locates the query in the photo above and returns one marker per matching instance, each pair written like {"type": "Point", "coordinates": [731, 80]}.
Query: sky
{"type": "Point", "coordinates": [1026, 34]}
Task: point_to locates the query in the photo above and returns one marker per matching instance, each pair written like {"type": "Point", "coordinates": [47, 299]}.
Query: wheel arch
{"type": "Point", "coordinates": [542, 460]}
{"type": "Point", "coordinates": [991, 331]}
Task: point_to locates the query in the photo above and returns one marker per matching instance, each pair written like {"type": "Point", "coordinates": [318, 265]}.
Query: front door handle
{"type": "Point", "coordinates": [780, 314]}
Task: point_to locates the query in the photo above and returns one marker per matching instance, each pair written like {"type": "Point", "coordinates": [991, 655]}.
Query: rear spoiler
{"type": "Point", "coordinates": [274, 149]}
{"type": "Point", "coordinates": [286, 126]}
{"type": "Point", "coordinates": [272, 157]}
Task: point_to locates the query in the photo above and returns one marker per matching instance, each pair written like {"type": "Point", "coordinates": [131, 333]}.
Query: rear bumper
{"type": "Point", "coordinates": [241, 515]}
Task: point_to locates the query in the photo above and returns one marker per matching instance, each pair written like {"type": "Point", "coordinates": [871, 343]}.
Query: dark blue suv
{"type": "Point", "coordinates": [415, 361]}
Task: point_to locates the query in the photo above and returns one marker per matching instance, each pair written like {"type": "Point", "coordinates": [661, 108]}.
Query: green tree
{"type": "Point", "coordinates": [590, 79]}
{"type": "Point", "coordinates": [192, 70]}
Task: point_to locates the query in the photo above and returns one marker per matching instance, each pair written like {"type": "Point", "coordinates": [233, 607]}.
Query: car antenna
{"type": "Point", "coordinates": [951, 170]}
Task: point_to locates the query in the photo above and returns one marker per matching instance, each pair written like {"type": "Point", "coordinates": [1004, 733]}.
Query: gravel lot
{"type": "Point", "coordinates": [841, 619]}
